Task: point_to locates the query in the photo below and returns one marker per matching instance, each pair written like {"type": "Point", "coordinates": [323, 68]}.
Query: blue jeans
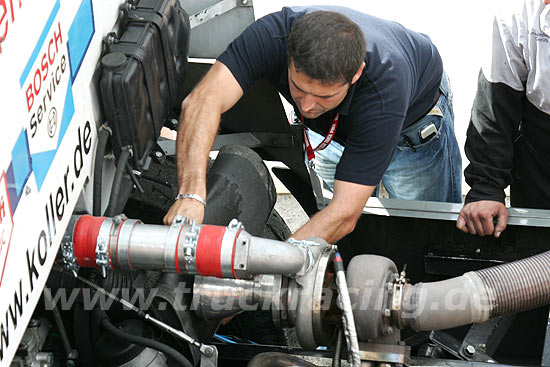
{"type": "Point", "coordinates": [432, 172]}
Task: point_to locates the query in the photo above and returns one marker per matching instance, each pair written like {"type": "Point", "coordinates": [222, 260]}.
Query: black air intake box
{"type": "Point", "coordinates": [143, 71]}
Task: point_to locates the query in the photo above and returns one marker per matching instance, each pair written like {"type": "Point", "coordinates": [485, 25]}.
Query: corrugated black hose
{"type": "Point", "coordinates": [115, 189]}
{"type": "Point", "coordinates": [104, 133]}
{"type": "Point", "coordinates": [105, 322]}
{"type": "Point", "coordinates": [338, 348]}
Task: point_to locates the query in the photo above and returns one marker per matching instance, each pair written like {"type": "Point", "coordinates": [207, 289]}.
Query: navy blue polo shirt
{"type": "Point", "coordinates": [397, 87]}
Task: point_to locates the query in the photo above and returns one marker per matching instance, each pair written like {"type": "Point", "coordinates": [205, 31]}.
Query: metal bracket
{"type": "Point", "coordinates": [446, 342]}
{"type": "Point", "coordinates": [483, 339]}
{"type": "Point", "coordinates": [385, 353]}
{"type": "Point", "coordinates": [209, 356]}
{"type": "Point", "coordinates": [241, 255]}
{"type": "Point", "coordinates": [219, 8]}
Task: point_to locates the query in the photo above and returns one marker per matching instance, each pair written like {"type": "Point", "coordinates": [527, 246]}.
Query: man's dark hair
{"type": "Point", "coordinates": [326, 46]}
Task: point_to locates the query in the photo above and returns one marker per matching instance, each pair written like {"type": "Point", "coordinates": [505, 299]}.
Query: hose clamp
{"type": "Point", "coordinates": [397, 294]}
{"type": "Point", "coordinates": [67, 248]}
{"type": "Point", "coordinates": [102, 246]}
{"type": "Point", "coordinates": [102, 256]}
{"type": "Point", "coordinates": [69, 260]}
{"type": "Point", "coordinates": [191, 238]}
{"type": "Point", "coordinates": [228, 247]}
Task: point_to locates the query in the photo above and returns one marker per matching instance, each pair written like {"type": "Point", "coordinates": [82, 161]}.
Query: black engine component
{"type": "Point", "coordinates": [239, 186]}
{"type": "Point", "coordinates": [142, 74]}
{"type": "Point", "coordinates": [111, 351]}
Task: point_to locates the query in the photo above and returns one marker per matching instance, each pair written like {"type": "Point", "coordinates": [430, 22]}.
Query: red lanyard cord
{"type": "Point", "coordinates": [326, 141]}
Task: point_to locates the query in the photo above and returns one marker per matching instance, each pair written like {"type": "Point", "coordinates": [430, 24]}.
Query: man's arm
{"type": "Point", "coordinates": [340, 216]}
{"type": "Point", "coordinates": [199, 120]}
{"type": "Point", "coordinates": [497, 111]}
{"type": "Point", "coordinates": [490, 149]}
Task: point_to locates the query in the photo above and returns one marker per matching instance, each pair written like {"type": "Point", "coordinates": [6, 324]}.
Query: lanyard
{"type": "Point", "coordinates": [316, 182]}
{"type": "Point", "coordinates": [322, 145]}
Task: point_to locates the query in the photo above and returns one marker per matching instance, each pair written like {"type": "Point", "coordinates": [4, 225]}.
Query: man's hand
{"type": "Point", "coordinates": [340, 216]}
{"type": "Point", "coordinates": [478, 218]}
{"type": "Point", "coordinates": [188, 208]}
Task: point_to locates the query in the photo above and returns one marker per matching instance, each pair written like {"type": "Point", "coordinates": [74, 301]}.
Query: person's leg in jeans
{"type": "Point", "coordinates": [432, 171]}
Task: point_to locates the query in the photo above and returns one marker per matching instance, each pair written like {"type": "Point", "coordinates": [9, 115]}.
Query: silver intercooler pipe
{"type": "Point", "coordinates": [479, 295]}
{"type": "Point", "coordinates": [208, 250]}
{"type": "Point", "coordinates": [215, 298]}
{"type": "Point", "coordinates": [305, 301]}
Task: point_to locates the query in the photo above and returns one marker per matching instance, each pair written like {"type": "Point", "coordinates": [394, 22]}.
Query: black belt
{"type": "Point", "coordinates": [437, 95]}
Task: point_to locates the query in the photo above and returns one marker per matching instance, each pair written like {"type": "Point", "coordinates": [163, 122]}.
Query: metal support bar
{"type": "Point", "coordinates": [385, 353]}
{"type": "Point", "coordinates": [215, 10]}
{"type": "Point", "coordinates": [546, 350]}
{"type": "Point", "coordinates": [255, 140]}
{"type": "Point", "coordinates": [250, 140]}
{"type": "Point", "coordinates": [446, 342]}
{"type": "Point", "coordinates": [484, 338]}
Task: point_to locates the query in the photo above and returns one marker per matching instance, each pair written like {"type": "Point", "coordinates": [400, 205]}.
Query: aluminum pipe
{"type": "Point", "coordinates": [208, 250]}
{"type": "Point", "coordinates": [382, 298]}
{"type": "Point", "coordinates": [477, 296]}
{"type": "Point", "coordinates": [215, 298]}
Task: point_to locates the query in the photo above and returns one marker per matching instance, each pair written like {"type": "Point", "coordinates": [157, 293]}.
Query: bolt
{"type": "Point", "coordinates": [470, 350]}
{"type": "Point", "coordinates": [158, 154]}
{"type": "Point", "coordinates": [208, 351]}
{"type": "Point", "coordinates": [387, 312]}
{"type": "Point", "coordinates": [244, 2]}
{"type": "Point", "coordinates": [27, 190]}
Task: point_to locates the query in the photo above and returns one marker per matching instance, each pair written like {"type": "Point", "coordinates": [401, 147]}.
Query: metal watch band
{"type": "Point", "coordinates": [191, 196]}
